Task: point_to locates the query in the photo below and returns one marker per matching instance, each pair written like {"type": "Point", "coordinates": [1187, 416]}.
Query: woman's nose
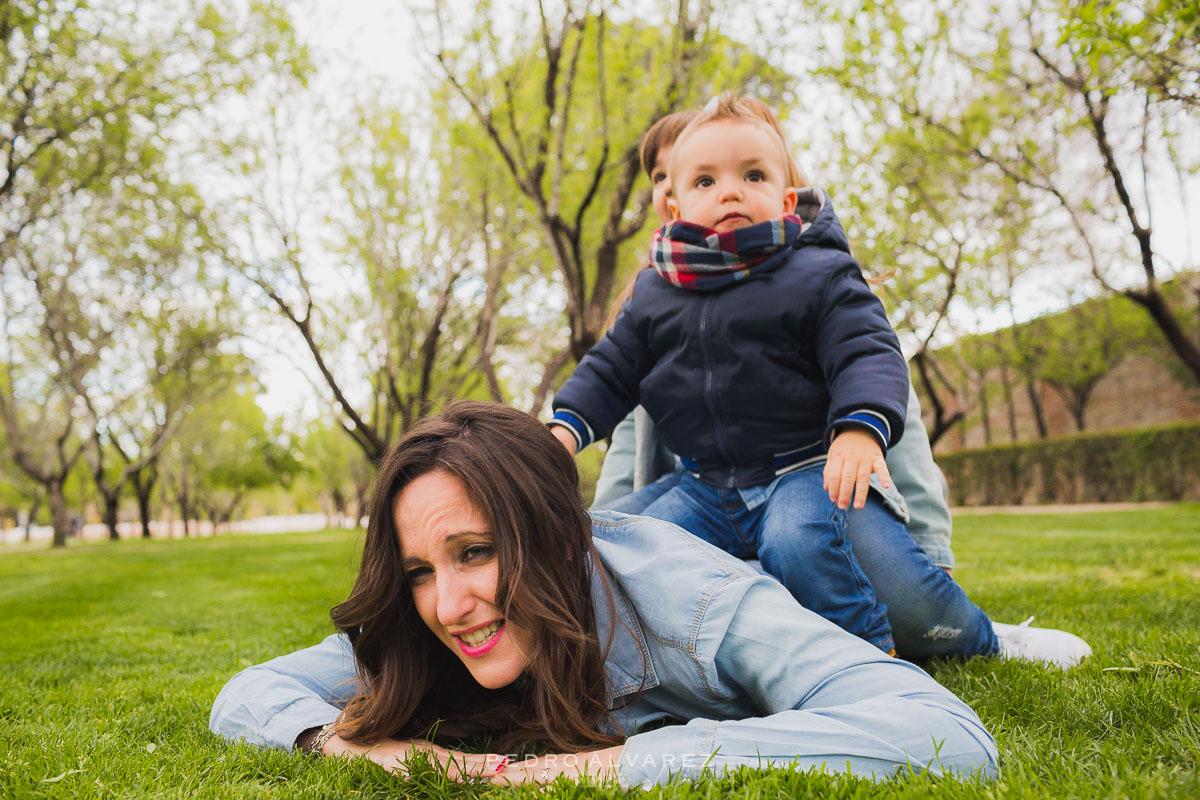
{"type": "Point", "coordinates": [454, 598]}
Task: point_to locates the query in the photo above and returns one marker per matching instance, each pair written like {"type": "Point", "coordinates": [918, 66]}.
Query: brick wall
{"type": "Point", "coordinates": [1139, 391]}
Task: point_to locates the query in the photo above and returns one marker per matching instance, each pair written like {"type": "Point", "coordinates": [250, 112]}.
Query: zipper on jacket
{"type": "Point", "coordinates": [710, 398]}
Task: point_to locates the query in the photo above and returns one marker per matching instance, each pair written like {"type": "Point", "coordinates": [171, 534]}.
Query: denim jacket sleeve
{"type": "Point", "coordinates": [270, 704]}
{"type": "Point", "coordinates": [824, 700]}
{"type": "Point", "coordinates": [923, 486]}
{"type": "Point", "coordinates": [616, 474]}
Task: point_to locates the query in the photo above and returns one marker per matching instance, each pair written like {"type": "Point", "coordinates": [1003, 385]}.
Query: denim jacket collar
{"type": "Point", "coordinates": [628, 667]}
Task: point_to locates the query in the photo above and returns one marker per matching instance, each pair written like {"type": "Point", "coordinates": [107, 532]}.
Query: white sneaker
{"type": "Point", "coordinates": [1046, 645]}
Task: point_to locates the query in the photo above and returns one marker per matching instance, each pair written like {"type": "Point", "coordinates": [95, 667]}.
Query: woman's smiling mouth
{"type": "Point", "coordinates": [479, 641]}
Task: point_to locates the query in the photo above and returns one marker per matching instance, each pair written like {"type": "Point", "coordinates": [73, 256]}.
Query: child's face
{"type": "Point", "coordinates": [662, 184]}
{"type": "Point", "coordinates": [729, 174]}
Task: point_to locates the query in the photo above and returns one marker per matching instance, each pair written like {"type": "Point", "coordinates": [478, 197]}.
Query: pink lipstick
{"type": "Point", "coordinates": [481, 650]}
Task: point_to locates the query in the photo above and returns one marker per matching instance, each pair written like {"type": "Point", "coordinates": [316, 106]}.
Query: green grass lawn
{"type": "Point", "coordinates": [111, 654]}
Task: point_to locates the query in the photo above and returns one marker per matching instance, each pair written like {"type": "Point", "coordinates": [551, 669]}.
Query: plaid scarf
{"type": "Point", "coordinates": [695, 257]}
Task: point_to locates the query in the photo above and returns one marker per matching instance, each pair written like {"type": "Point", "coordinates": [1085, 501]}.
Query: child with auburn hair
{"type": "Point", "coordinates": [761, 354]}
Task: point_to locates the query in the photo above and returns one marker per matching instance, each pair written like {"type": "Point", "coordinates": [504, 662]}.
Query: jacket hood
{"type": "Point", "coordinates": [813, 206]}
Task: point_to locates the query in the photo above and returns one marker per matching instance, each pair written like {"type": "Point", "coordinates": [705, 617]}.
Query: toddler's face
{"type": "Point", "coordinates": [662, 183]}
{"type": "Point", "coordinates": [729, 174]}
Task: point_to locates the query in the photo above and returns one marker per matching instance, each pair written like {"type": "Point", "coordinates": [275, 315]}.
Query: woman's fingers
{"type": "Point", "coordinates": [531, 770]}
{"type": "Point", "coordinates": [461, 766]}
{"type": "Point", "coordinates": [598, 765]}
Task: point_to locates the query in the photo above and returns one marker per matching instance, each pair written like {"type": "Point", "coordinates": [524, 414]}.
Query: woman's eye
{"type": "Point", "coordinates": [417, 574]}
{"type": "Point", "coordinates": [658, 177]}
{"type": "Point", "coordinates": [478, 552]}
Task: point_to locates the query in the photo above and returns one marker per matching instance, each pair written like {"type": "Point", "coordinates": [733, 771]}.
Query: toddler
{"type": "Point", "coordinates": [761, 354]}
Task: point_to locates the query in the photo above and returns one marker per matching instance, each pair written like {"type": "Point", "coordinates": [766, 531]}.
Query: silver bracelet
{"type": "Point", "coordinates": [324, 735]}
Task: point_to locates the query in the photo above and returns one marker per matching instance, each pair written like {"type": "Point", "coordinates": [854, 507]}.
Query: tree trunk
{"type": "Point", "coordinates": [1152, 300]}
{"type": "Point", "coordinates": [143, 488]}
{"type": "Point", "coordinates": [59, 516]}
{"type": "Point", "coordinates": [1080, 405]}
{"type": "Point", "coordinates": [33, 511]}
{"type": "Point", "coordinates": [942, 421]}
{"type": "Point", "coordinates": [1035, 403]}
{"type": "Point", "coordinates": [112, 503]}
{"type": "Point", "coordinates": [1006, 384]}
{"type": "Point", "coordinates": [185, 511]}
{"type": "Point", "coordinates": [985, 410]}
{"type": "Point", "coordinates": [361, 490]}
{"type": "Point", "coordinates": [337, 499]}
{"type": "Point", "coordinates": [144, 481]}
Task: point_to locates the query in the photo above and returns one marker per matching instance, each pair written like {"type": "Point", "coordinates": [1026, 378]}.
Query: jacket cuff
{"type": "Point", "coordinates": [576, 425]}
{"type": "Point", "coordinates": [284, 728]}
{"type": "Point", "coordinates": [871, 421]}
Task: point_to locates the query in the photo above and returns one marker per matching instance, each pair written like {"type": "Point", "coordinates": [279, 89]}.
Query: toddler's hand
{"type": "Point", "coordinates": [853, 456]}
{"type": "Point", "coordinates": [564, 436]}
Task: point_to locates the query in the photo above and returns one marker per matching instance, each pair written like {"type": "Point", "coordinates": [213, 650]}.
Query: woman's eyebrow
{"type": "Point", "coordinates": [451, 539]}
{"type": "Point", "coordinates": [454, 537]}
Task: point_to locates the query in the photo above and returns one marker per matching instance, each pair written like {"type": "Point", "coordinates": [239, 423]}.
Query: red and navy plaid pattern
{"type": "Point", "coordinates": [695, 257]}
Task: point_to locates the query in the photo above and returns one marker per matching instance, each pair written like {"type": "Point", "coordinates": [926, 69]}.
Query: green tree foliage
{"type": "Point", "coordinates": [1072, 110]}
{"type": "Point", "coordinates": [1152, 44]}
{"type": "Point", "coordinates": [225, 447]}
{"type": "Point", "coordinates": [20, 496]}
{"type": "Point", "coordinates": [453, 224]}
{"type": "Point", "coordinates": [554, 113]}
{"type": "Point", "coordinates": [95, 99]}
{"type": "Point", "coordinates": [337, 472]}
{"type": "Point", "coordinates": [89, 88]}
{"type": "Point", "coordinates": [390, 287]}
{"type": "Point", "coordinates": [1071, 351]}
{"type": "Point", "coordinates": [1085, 343]}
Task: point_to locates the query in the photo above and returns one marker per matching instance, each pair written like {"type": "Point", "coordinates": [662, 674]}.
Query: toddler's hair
{"type": "Point", "coordinates": [662, 134]}
{"type": "Point", "coordinates": [763, 111]}
{"type": "Point", "coordinates": [754, 111]}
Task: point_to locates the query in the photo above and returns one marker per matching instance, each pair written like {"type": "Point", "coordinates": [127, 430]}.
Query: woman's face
{"type": "Point", "coordinates": [449, 559]}
{"type": "Point", "coordinates": [661, 183]}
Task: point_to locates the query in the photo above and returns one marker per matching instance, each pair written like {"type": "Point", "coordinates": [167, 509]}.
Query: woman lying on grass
{"type": "Point", "coordinates": [489, 604]}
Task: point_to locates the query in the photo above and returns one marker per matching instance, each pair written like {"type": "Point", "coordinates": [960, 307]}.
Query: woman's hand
{"type": "Point", "coordinates": [598, 766]}
{"type": "Point", "coordinates": [393, 755]}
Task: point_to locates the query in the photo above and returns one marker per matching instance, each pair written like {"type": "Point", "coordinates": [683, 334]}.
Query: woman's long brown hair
{"type": "Point", "coordinates": [526, 485]}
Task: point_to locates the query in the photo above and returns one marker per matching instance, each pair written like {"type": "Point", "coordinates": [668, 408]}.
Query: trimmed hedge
{"type": "Point", "coordinates": [1158, 463]}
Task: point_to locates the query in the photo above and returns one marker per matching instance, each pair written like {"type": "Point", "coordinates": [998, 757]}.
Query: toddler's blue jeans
{"type": "Point", "coordinates": [929, 613]}
{"type": "Point", "coordinates": [797, 533]}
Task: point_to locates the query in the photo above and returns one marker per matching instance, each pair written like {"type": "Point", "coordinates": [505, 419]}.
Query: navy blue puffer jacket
{"type": "Point", "coordinates": [742, 378]}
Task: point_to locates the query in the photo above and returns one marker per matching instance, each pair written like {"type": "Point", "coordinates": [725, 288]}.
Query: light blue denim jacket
{"type": "Point", "coordinates": [637, 457]}
{"type": "Point", "coordinates": [700, 639]}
